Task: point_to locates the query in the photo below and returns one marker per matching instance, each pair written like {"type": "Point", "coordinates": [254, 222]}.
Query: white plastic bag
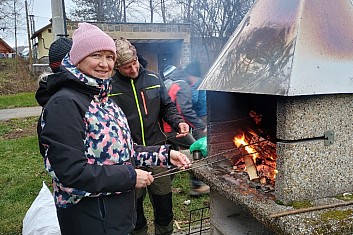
{"type": "Point", "coordinates": [41, 217]}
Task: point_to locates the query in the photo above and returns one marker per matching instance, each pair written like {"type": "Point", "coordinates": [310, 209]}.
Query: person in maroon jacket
{"type": "Point", "coordinates": [181, 85]}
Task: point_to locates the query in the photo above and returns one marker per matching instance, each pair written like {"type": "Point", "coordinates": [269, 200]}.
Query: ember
{"type": "Point", "coordinates": [259, 157]}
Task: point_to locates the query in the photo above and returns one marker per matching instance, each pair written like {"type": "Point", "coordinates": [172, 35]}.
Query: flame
{"type": "Point", "coordinates": [240, 141]}
{"type": "Point", "coordinates": [262, 152]}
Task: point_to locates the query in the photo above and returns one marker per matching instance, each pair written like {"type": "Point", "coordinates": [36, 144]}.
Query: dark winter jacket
{"type": "Point", "coordinates": [180, 91]}
{"type": "Point", "coordinates": [145, 102]}
{"type": "Point", "coordinates": [86, 143]}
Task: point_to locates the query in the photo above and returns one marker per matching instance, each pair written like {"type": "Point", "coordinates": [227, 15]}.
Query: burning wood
{"type": "Point", "coordinates": [260, 159]}
{"type": "Point", "coordinates": [250, 167]}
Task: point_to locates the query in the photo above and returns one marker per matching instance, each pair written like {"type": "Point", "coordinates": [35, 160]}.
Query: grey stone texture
{"type": "Point", "coordinates": [310, 170]}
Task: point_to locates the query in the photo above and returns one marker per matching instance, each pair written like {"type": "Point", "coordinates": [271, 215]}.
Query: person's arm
{"type": "Point", "coordinates": [151, 155]}
{"type": "Point", "coordinates": [62, 146]}
{"type": "Point", "coordinates": [159, 156]}
{"type": "Point", "coordinates": [144, 178]}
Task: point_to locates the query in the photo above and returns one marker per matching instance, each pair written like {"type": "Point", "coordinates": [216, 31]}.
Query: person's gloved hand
{"type": "Point", "coordinates": [183, 129]}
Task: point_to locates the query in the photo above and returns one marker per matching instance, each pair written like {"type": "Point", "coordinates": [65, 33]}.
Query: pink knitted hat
{"type": "Point", "coordinates": [88, 39]}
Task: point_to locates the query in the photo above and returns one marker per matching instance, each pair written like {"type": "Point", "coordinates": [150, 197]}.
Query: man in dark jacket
{"type": "Point", "coordinates": [142, 96]}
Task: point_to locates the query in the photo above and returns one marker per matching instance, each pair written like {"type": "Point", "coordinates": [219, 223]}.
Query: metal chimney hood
{"type": "Point", "coordinates": [288, 48]}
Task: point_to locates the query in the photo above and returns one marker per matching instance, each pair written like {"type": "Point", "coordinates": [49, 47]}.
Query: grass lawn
{"type": "Point", "coordinates": [22, 174]}
{"type": "Point", "coordinates": [25, 99]}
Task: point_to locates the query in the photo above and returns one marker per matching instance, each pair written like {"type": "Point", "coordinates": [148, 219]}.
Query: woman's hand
{"type": "Point", "coordinates": [179, 159]}
{"type": "Point", "coordinates": [143, 178]}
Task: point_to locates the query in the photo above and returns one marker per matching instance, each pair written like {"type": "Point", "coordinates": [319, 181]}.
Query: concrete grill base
{"type": "Point", "coordinates": [232, 201]}
{"type": "Point", "coordinates": [310, 170]}
{"type": "Point", "coordinates": [230, 218]}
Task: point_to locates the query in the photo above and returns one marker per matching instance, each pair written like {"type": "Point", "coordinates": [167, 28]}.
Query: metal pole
{"type": "Point", "coordinates": [57, 19]}
{"type": "Point", "coordinates": [29, 37]}
{"type": "Point", "coordinates": [64, 18]}
{"type": "Point", "coordinates": [15, 14]}
{"type": "Point", "coordinates": [33, 41]}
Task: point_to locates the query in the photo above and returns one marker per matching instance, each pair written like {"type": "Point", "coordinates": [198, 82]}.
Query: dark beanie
{"type": "Point", "coordinates": [57, 51]}
{"type": "Point", "coordinates": [193, 69]}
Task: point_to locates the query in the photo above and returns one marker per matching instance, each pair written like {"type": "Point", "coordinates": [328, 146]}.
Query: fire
{"type": "Point", "coordinates": [240, 141]}
{"type": "Point", "coordinates": [258, 156]}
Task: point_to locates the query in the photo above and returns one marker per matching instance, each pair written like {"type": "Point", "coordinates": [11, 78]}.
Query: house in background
{"type": "Point", "coordinates": [6, 50]}
{"type": "Point", "coordinates": [160, 44]}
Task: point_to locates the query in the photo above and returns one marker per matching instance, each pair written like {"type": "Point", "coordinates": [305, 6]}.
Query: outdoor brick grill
{"type": "Point", "coordinates": [285, 79]}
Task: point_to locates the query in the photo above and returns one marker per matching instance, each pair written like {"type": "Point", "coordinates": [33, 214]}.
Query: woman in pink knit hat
{"type": "Point", "coordinates": [86, 143]}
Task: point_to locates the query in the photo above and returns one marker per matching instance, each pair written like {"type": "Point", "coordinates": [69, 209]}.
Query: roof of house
{"type": "Point", "coordinates": [5, 48]}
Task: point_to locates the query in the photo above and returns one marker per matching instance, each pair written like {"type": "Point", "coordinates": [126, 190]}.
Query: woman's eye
{"type": "Point", "coordinates": [95, 55]}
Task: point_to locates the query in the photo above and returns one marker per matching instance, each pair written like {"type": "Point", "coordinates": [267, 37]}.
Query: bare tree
{"type": "Point", "coordinates": [98, 6]}
{"type": "Point", "coordinates": [144, 9]}
{"type": "Point", "coordinates": [151, 10]}
{"type": "Point", "coordinates": [214, 21]}
{"type": "Point", "coordinates": [5, 14]}
{"type": "Point", "coordinates": [85, 11]}
{"type": "Point", "coordinates": [154, 11]}
{"type": "Point", "coordinates": [166, 12]}
{"type": "Point", "coordinates": [11, 19]}
{"type": "Point", "coordinates": [163, 11]}
{"type": "Point", "coordinates": [124, 10]}
{"type": "Point", "coordinates": [100, 10]}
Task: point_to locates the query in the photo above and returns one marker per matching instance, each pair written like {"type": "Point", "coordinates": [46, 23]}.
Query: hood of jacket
{"type": "Point", "coordinates": [179, 74]}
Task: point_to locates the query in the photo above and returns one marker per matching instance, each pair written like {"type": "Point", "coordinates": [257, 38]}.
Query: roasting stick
{"type": "Point", "coordinates": [166, 173]}
{"type": "Point", "coordinates": [176, 170]}
{"type": "Point", "coordinates": [210, 125]}
{"type": "Point", "coordinates": [314, 208]}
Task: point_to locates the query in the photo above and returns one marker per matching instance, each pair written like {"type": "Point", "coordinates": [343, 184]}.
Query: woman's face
{"type": "Point", "coordinates": [99, 64]}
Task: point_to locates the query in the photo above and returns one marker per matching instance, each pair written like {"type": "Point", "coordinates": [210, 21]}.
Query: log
{"type": "Point", "coordinates": [308, 209]}
{"type": "Point", "coordinates": [263, 180]}
{"type": "Point", "coordinates": [250, 167]}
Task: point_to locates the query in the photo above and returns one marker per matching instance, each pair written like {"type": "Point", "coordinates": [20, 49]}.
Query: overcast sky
{"type": "Point", "coordinates": [41, 9]}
